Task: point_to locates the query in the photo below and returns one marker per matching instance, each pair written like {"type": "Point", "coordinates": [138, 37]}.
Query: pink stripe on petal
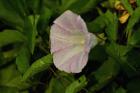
{"type": "Point", "coordinates": [80, 63]}
{"type": "Point", "coordinates": [84, 60]}
{"type": "Point", "coordinates": [81, 25]}
{"type": "Point", "coordinates": [58, 45]}
{"type": "Point", "coordinates": [75, 64]}
{"type": "Point", "coordinates": [59, 38]}
{"type": "Point", "coordinates": [67, 20]}
{"type": "Point", "coordinates": [71, 22]}
{"type": "Point", "coordinates": [61, 58]}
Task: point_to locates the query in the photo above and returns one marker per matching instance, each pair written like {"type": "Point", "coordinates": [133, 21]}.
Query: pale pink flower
{"type": "Point", "coordinates": [70, 42]}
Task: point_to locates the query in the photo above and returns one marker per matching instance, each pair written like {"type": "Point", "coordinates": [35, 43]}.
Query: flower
{"type": "Point", "coordinates": [70, 42]}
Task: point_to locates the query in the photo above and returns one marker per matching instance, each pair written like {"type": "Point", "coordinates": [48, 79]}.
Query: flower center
{"type": "Point", "coordinates": [82, 42]}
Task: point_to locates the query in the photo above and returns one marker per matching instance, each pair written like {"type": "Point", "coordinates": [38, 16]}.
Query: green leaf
{"type": "Point", "coordinates": [8, 73]}
{"type": "Point", "coordinates": [9, 15]}
{"type": "Point", "coordinates": [134, 40]}
{"type": "Point", "coordinates": [34, 5]}
{"type": "Point", "coordinates": [32, 37]}
{"type": "Point", "coordinates": [79, 6]}
{"type": "Point", "coordinates": [85, 5]}
{"type": "Point", "coordinates": [38, 66]}
{"type": "Point", "coordinates": [112, 26]}
{"type": "Point", "coordinates": [127, 5]}
{"type": "Point", "coordinates": [77, 85]}
{"type": "Point", "coordinates": [17, 82]}
{"type": "Point", "coordinates": [120, 90]}
{"type": "Point", "coordinates": [105, 74]}
{"type": "Point", "coordinates": [59, 83]}
{"type": "Point", "coordinates": [8, 90]}
{"type": "Point", "coordinates": [30, 31]}
{"type": "Point", "coordinates": [97, 25]}
{"type": "Point", "coordinates": [119, 52]}
{"type": "Point", "coordinates": [22, 60]}
{"type": "Point", "coordinates": [112, 3]}
{"type": "Point", "coordinates": [138, 3]}
{"type": "Point", "coordinates": [10, 36]}
{"type": "Point", "coordinates": [11, 78]}
{"type": "Point", "coordinates": [65, 4]}
{"type": "Point", "coordinates": [133, 59]}
{"type": "Point", "coordinates": [43, 20]}
{"type": "Point", "coordinates": [132, 21]}
{"type": "Point", "coordinates": [51, 3]}
{"type": "Point", "coordinates": [17, 6]}
{"type": "Point", "coordinates": [7, 56]}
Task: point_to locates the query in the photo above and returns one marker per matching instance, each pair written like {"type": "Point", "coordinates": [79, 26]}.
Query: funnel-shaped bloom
{"type": "Point", "coordinates": [70, 42]}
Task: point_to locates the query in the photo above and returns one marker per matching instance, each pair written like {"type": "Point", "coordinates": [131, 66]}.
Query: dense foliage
{"type": "Point", "coordinates": [26, 65]}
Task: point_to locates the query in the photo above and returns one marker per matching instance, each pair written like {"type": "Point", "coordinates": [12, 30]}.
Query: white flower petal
{"type": "Point", "coordinates": [71, 42]}
{"type": "Point", "coordinates": [61, 39]}
{"type": "Point", "coordinates": [60, 57]}
{"type": "Point", "coordinates": [91, 42]}
{"type": "Point", "coordinates": [71, 22]}
{"type": "Point", "coordinates": [70, 59]}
